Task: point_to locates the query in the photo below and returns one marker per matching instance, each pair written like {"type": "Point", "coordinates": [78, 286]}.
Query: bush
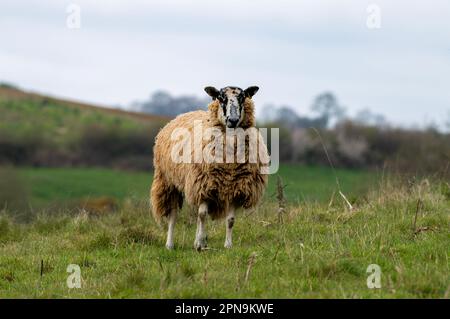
{"type": "Point", "coordinates": [18, 150]}
{"type": "Point", "coordinates": [354, 145]}
{"type": "Point", "coordinates": [108, 146]}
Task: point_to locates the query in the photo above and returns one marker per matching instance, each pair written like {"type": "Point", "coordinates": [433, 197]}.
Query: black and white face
{"type": "Point", "coordinates": [231, 100]}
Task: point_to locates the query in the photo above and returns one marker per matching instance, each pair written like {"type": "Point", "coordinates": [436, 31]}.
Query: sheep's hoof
{"type": "Point", "coordinates": [201, 243]}
{"type": "Point", "coordinates": [228, 245]}
{"type": "Point", "coordinates": [169, 246]}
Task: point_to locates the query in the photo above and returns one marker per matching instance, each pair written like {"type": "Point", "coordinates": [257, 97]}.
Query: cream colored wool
{"type": "Point", "coordinates": [218, 184]}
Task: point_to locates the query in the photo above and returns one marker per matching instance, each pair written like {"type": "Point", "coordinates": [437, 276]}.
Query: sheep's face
{"type": "Point", "coordinates": [231, 100]}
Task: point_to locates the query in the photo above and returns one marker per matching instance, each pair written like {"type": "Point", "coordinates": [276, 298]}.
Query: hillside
{"type": "Point", "coordinates": [28, 108]}
{"type": "Point", "coordinates": [39, 130]}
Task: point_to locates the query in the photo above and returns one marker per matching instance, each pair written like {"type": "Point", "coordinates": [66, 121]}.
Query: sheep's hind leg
{"type": "Point", "coordinates": [229, 221]}
{"type": "Point", "coordinates": [200, 237]}
{"type": "Point", "coordinates": [171, 221]}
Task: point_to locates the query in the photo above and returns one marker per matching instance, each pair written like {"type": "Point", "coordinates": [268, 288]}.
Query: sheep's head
{"type": "Point", "coordinates": [234, 107]}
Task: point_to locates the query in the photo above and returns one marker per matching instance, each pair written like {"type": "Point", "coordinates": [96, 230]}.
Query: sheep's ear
{"type": "Point", "coordinates": [250, 91]}
{"type": "Point", "coordinates": [212, 92]}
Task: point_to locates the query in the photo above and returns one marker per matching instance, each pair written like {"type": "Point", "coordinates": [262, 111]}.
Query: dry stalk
{"type": "Point", "coordinates": [205, 276]}
{"type": "Point", "coordinates": [281, 199]}
{"type": "Point", "coordinates": [251, 262]}
{"type": "Point", "coordinates": [418, 208]}
{"type": "Point", "coordinates": [332, 167]}
{"type": "Point", "coordinates": [350, 207]}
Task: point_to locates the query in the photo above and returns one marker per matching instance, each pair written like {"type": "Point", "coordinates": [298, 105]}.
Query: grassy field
{"type": "Point", "coordinates": [301, 183]}
{"type": "Point", "coordinates": [321, 250]}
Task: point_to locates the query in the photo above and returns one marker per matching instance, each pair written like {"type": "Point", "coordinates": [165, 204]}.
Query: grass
{"type": "Point", "coordinates": [64, 184]}
{"type": "Point", "coordinates": [321, 250]}
{"type": "Point", "coordinates": [302, 183]}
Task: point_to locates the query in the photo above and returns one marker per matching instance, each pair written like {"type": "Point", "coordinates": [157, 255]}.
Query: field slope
{"type": "Point", "coordinates": [59, 120]}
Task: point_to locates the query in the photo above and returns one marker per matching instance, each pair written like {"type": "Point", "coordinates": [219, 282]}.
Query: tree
{"type": "Point", "coordinates": [287, 116]}
{"type": "Point", "coordinates": [327, 107]}
{"type": "Point", "coordinates": [162, 103]}
{"type": "Point", "coordinates": [367, 117]}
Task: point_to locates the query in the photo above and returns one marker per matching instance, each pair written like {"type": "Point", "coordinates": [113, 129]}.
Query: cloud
{"type": "Point", "coordinates": [292, 49]}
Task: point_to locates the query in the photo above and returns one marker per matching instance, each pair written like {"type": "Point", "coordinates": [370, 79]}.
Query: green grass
{"type": "Point", "coordinates": [307, 183]}
{"type": "Point", "coordinates": [54, 121]}
{"type": "Point", "coordinates": [319, 251]}
{"type": "Point", "coordinates": [62, 184]}
{"type": "Point", "coordinates": [301, 183]}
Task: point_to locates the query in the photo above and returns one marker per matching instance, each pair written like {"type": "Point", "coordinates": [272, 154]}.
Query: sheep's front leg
{"type": "Point", "coordinates": [201, 238]}
{"type": "Point", "coordinates": [229, 221]}
{"type": "Point", "coordinates": [171, 221]}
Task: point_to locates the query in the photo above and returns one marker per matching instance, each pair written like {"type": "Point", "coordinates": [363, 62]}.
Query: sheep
{"type": "Point", "coordinates": [215, 188]}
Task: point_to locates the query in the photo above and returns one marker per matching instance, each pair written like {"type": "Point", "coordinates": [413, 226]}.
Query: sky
{"type": "Point", "coordinates": [293, 50]}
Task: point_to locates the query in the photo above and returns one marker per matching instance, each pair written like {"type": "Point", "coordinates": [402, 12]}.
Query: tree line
{"type": "Point", "coordinates": [364, 141]}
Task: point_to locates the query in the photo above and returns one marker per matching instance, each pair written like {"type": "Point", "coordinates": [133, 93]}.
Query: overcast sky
{"type": "Point", "coordinates": [293, 50]}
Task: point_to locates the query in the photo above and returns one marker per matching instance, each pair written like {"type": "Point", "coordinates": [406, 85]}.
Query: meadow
{"type": "Point", "coordinates": [99, 219]}
{"type": "Point", "coordinates": [301, 183]}
{"type": "Point", "coordinates": [320, 249]}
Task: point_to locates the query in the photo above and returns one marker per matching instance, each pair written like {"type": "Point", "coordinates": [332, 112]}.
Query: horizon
{"type": "Point", "coordinates": [443, 129]}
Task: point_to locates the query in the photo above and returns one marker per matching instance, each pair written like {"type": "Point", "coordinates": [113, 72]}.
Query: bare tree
{"type": "Point", "coordinates": [162, 103]}
{"type": "Point", "coordinates": [327, 107]}
{"type": "Point", "coordinates": [367, 117]}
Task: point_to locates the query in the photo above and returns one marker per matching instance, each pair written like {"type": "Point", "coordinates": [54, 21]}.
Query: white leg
{"type": "Point", "coordinates": [200, 237]}
{"type": "Point", "coordinates": [229, 221]}
{"type": "Point", "coordinates": [171, 218]}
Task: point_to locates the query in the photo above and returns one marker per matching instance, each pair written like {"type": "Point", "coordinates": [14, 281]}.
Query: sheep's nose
{"type": "Point", "coordinates": [231, 123]}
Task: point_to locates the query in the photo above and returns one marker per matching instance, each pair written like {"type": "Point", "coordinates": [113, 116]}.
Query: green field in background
{"type": "Point", "coordinates": [302, 183]}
